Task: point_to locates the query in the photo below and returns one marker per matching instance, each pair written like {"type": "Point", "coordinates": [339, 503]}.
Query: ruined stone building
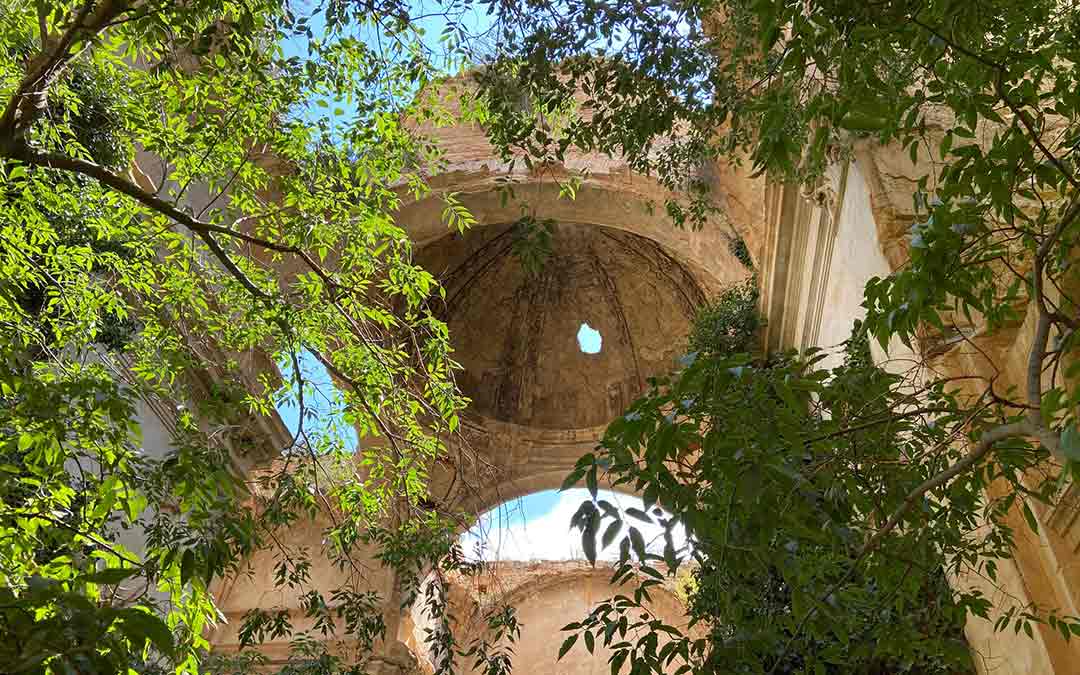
{"type": "Point", "coordinates": [621, 268]}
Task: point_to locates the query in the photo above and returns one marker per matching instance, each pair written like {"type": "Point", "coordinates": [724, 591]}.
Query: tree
{"type": "Point", "coordinates": [987, 103]}
{"type": "Point", "coordinates": [180, 211]}
{"type": "Point", "coordinates": [118, 287]}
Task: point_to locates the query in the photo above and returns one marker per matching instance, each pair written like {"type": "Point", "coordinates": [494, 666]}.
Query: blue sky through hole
{"type": "Point", "coordinates": [589, 339]}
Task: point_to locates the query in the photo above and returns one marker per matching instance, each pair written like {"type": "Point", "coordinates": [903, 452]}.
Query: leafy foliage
{"type": "Point", "coordinates": [861, 472]}
{"type": "Point", "coordinates": [783, 475]}
{"type": "Point", "coordinates": [145, 298]}
{"type": "Point", "coordinates": [729, 323]}
{"type": "Point", "coordinates": [531, 242]}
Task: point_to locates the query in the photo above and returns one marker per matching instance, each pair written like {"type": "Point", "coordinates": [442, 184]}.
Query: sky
{"type": "Point", "coordinates": [589, 339]}
{"type": "Point", "coordinates": [431, 18]}
{"type": "Point", "coordinates": [322, 401]}
{"type": "Point", "coordinates": [537, 527]}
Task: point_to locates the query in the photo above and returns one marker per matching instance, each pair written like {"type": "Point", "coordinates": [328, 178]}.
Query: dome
{"type": "Point", "coordinates": [570, 345]}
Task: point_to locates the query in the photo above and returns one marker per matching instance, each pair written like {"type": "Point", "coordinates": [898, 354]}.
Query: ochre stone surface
{"type": "Point", "coordinates": [546, 595]}
{"type": "Point", "coordinates": [516, 329]}
{"type": "Point", "coordinates": [620, 266]}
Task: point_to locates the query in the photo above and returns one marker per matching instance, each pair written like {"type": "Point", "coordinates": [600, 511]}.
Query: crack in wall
{"type": "Point", "coordinates": [616, 303]}
{"type": "Point", "coordinates": [690, 304]}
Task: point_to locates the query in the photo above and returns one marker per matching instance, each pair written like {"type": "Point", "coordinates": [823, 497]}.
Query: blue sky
{"type": "Point", "coordinates": [589, 339]}
{"type": "Point", "coordinates": [431, 22]}
{"type": "Point", "coordinates": [537, 527]}
{"type": "Point", "coordinates": [322, 402]}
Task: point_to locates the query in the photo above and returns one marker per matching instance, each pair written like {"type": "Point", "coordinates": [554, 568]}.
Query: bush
{"type": "Point", "coordinates": [728, 324]}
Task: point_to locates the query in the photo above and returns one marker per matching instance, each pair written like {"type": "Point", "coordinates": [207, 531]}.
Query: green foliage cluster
{"type": "Point", "coordinates": [729, 323]}
{"type": "Point", "coordinates": [531, 242]}
{"type": "Point", "coordinates": [887, 472]}
{"type": "Point", "coordinates": [739, 249]}
{"type": "Point", "coordinates": [782, 476]}
{"type": "Point", "coordinates": [155, 282]}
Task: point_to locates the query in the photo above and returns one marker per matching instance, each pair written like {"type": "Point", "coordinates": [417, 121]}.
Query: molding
{"type": "Point", "coordinates": [800, 235]}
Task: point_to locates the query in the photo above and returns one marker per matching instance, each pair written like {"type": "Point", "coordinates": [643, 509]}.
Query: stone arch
{"type": "Point", "coordinates": [618, 247]}
{"type": "Point", "coordinates": [620, 201]}
{"type": "Point", "coordinates": [471, 166]}
{"type": "Point", "coordinates": [522, 461]}
{"type": "Point", "coordinates": [619, 265]}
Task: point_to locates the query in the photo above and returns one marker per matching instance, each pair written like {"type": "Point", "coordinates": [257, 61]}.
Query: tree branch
{"type": "Point", "coordinates": [42, 70]}
{"type": "Point", "coordinates": [204, 230]}
{"type": "Point", "coordinates": [986, 443]}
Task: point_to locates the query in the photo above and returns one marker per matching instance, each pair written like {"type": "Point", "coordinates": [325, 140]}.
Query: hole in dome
{"type": "Point", "coordinates": [589, 339]}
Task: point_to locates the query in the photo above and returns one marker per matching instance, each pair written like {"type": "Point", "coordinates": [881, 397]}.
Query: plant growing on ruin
{"type": "Point", "coordinates": [986, 102]}
{"type": "Point", "coordinates": [181, 208]}
{"type": "Point", "coordinates": [784, 476]}
{"type": "Point", "coordinates": [729, 323]}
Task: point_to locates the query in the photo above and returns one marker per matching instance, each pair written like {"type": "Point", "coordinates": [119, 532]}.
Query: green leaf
{"type": "Point", "coordinates": [588, 536]}
{"type": "Point", "coordinates": [566, 645]}
{"type": "Point", "coordinates": [617, 660]}
{"type": "Point", "coordinates": [187, 566]}
{"type": "Point", "coordinates": [1029, 516]}
{"type": "Point", "coordinates": [1070, 442]}
{"type": "Point", "coordinates": [572, 479]}
{"type": "Point", "coordinates": [151, 628]}
{"type": "Point", "coordinates": [610, 532]}
{"type": "Point", "coordinates": [590, 482]}
{"type": "Point", "coordinates": [638, 542]}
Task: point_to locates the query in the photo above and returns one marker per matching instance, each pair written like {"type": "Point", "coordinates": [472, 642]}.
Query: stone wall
{"type": "Point", "coordinates": [627, 271]}
{"type": "Point", "coordinates": [546, 596]}
{"type": "Point", "coordinates": [820, 250]}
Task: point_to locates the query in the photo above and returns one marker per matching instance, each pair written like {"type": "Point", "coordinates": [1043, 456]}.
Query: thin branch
{"type": "Point", "coordinates": [986, 443]}
{"type": "Point", "coordinates": [204, 230]}
{"type": "Point", "coordinates": [982, 448]}
{"type": "Point", "coordinates": [999, 85]}
{"type": "Point", "coordinates": [43, 26]}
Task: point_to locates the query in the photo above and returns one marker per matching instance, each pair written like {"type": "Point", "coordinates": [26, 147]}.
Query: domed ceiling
{"type": "Point", "coordinates": [517, 333]}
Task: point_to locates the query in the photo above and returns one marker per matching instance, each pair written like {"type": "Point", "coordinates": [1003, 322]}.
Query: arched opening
{"type": "Point", "coordinates": [542, 396]}
{"type": "Point", "coordinates": [537, 527]}
{"type": "Point", "coordinates": [535, 569]}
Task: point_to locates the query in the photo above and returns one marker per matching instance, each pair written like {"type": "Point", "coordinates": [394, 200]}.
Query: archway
{"type": "Point", "coordinates": [534, 569]}
{"type": "Point", "coordinates": [536, 527]}
{"type": "Point", "coordinates": [541, 399]}
{"type": "Point", "coordinates": [545, 597]}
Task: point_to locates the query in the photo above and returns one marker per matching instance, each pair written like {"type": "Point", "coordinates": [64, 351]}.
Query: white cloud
{"type": "Point", "coordinates": [511, 532]}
